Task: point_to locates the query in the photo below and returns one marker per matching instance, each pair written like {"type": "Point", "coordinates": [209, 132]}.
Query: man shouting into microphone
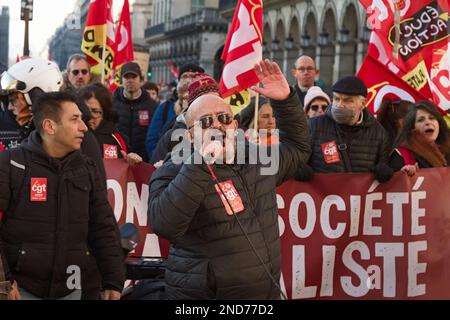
{"type": "Point", "coordinates": [220, 214]}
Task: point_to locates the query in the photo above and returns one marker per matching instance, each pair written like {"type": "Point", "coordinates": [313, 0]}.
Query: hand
{"type": "Point", "coordinates": [111, 295]}
{"type": "Point", "coordinates": [410, 170]}
{"type": "Point", "coordinates": [273, 80]}
{"type": "Point", "coordinates": [158, 164]}
{"type": "Point", "coordinates": [132, 158]}
{"type": "Point", "coordinates": [211, 151]}
{"type": "Point", "coordinates": [14, 293]}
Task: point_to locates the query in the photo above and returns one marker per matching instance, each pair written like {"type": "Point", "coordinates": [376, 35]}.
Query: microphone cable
{"type": "Point", "coordinates": [274, 282]}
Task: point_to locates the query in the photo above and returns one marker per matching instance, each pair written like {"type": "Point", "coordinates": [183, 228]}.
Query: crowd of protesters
{"type": "Point", "coordinates": [58, 127]}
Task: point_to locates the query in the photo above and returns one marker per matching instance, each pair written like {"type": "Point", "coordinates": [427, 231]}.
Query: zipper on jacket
{"type": "Point", "coordinates": [130, 128]}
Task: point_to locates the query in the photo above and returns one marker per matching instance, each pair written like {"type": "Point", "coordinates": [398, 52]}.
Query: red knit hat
{"type": "Point", "coordinates": [201, 84]}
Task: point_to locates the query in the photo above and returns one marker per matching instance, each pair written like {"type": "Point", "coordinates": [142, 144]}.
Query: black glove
{"type": "Point", "coordinates": [304, 173]}
{"type": "Point", "coordinates": [383, 172]}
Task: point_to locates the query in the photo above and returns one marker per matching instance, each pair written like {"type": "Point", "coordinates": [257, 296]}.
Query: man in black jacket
{"type": "Point", "coordinates": [210, 256]}
{"type": "Point", "coordinates": [134, 108]}
{"type": "Point", "coordinates": [60, 214]}
{"type": "Point", "coordinates": [348, 138]}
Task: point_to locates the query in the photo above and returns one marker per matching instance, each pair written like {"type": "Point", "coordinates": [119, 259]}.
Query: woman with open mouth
{"type": "Point", "coordinates": [423, 142]}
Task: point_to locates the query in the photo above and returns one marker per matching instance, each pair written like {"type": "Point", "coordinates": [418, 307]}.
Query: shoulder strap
{"type": "Point", "coordinates": [17, 173]}
{"type": "Point", "coordinates": [166, 110]}
{"type": "Point", "coordinates": [407, 155]}
{"type": "Point", "coordinates": [342, 147]}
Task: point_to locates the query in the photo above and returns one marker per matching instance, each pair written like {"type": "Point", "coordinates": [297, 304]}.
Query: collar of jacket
{"type": "Point", "coordinates": [34, 144]}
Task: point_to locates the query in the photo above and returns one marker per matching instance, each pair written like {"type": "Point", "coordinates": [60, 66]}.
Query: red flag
{"type": "Point", "coordinates": [17, 58]}
{"type": "Point", "coordinates": [174, 70]}
{"type": "Point", "coordinates": [124, 46]}
{"type": "Point", "coordinates": [98, 37]}
{"type": "Point", "coordinates": [243, 48]}
{"type": "Point", "coordinates": [383, 83]}
{"type": "Point", "coordinates": [423, 34]}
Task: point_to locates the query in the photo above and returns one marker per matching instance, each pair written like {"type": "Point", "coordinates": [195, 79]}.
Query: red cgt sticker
{"type": "Point", "coordinates": [232, 195]}
{"type": "Point", "coordinates": [330, 152]}
{"type": "Point", "coordinates": [144, 117]}
{"type": "Point", "coordinates": [110, 151]}
{"type": "Point", "coordinates": [38, 190]}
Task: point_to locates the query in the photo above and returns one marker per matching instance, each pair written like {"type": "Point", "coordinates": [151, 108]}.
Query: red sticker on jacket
{"type": "Point", "coordinates": [232, 195]}
{"type": "Point", "coordinates": [110, 151]}
{"type": "Point", "coordinates": [330, 152]}
{"type": "Point", "coordinates": [38, 190]}
{"type": "Point", "coordinates": [144, 118]}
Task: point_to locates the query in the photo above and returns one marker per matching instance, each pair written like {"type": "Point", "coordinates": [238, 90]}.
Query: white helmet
{"type": "Point", "coordinates": [32, 73]}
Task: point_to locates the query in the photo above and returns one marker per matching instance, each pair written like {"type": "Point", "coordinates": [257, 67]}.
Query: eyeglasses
{"type": "Point", "coordinates": [207, 121]}
{"type": "Point", "coordinates": [83, 71]}
{"type": "Point", "coordinates": [316, 107]}
{"type": "Point", "coordinates": [96, 113]}
{"type": "Point", "coordinates": [303, 69]}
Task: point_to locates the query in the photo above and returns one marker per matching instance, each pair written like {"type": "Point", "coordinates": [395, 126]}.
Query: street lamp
{"type": "Point", "coordinates": [343, 36]}
{"type": "Point", "coordinates": [289, 43]}
{"type": "Point", "coordinates": [274, 45]}
{"type": "Point", "coordinates": [324, 39]}
{"type": "Point", "coordinates": [305, 41]}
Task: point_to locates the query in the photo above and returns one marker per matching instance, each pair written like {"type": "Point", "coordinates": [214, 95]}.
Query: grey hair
{"type": "Point", "coordinates": [76, 57]}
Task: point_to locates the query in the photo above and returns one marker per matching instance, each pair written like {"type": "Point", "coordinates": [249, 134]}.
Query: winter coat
{"type": "Point", "coordinates": [42, 240]}
{"type": "Point", "coordinates": [366, 144]}
{"type": "Point", "coordinates": [134, 117]}
{"type": "Point", "coordinates": [210, 258]}
{"type": "Point", "coordinates": [107, 135]}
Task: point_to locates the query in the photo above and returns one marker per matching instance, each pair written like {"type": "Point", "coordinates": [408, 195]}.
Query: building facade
{"type": "Point", "coordinates": [4, 38]}
{"type": "Point", "coordinates": [184, 31]}
{"type": "Point", "coordinates": [141, 17]}
{"type": "Point", "coordinates": [67, 38]}
{"type": "Point", "coordinates": [333, 32]}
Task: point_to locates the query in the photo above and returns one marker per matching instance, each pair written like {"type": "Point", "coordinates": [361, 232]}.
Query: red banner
{"type": "Point", "coordinates": [343, 236]}
{"type": "Point", "coordinates": [243, 48]}
{"type": "Point", "coordinates": [423, 35]}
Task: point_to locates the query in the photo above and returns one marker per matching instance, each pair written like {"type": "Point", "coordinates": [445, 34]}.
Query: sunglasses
{"type": "Point", "coordinates": [316, 107]}
{"type": "Point", "coordinates": [83, 71]}
{"type": "Point", "coordinates": [207, 121]}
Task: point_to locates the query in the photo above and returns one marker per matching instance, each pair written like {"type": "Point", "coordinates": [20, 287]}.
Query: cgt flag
{"type": "Point", "coordinates": [382, 83]}
{"type": "Point", "coordinates": [243, 48]}
{"type": "Point", "coordinates": [98, 38]}
{"type": "Point", "coordinates": [124, 47]}
{"type": "Point", "coordinates": [422, 38]}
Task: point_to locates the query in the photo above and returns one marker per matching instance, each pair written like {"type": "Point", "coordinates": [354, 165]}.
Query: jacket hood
{"type": "Point", "coordinates": [34, 144]}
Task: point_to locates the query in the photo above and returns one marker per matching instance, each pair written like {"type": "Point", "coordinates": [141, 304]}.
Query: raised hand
{"type": "Point", "coordinates": [275, 84]}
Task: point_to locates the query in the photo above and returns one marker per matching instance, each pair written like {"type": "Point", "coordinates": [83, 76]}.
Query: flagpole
{"type": "Point", "coordinates": [103, 52]}
{"type": "Point", "coordinates": [256, 111]}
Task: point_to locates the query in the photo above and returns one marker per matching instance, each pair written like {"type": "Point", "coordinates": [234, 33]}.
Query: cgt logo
{"type": "Point", "coordinates": [110, 151]}
{"type": "Point", "coordinates": [38, 190]}
{"type": "Point", "coordinates": [330, 149]}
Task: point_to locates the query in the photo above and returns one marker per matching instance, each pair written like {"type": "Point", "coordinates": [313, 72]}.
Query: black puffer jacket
{"type": "Point", "coordinates": [210, 258]}
{"type": "Point", "coordinates": [367, 144]}
{"type": "Point", "coordinates": [42, 239]}
{"type": "Point", "coordinates": [132, 128]}
{"type": "Point", "coordinates": [104, 135]}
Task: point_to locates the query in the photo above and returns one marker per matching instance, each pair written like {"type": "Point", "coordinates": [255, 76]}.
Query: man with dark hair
{"type": "Point", "coordinates": [56, 213]}
{"type": "Point", "coordinates": [134, 109]}
{"type": "Point", "coordinates": [152, 90]}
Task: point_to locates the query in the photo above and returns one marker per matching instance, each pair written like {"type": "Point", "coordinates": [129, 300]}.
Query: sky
{"type": "Point", "coordinates": [48, 15]}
